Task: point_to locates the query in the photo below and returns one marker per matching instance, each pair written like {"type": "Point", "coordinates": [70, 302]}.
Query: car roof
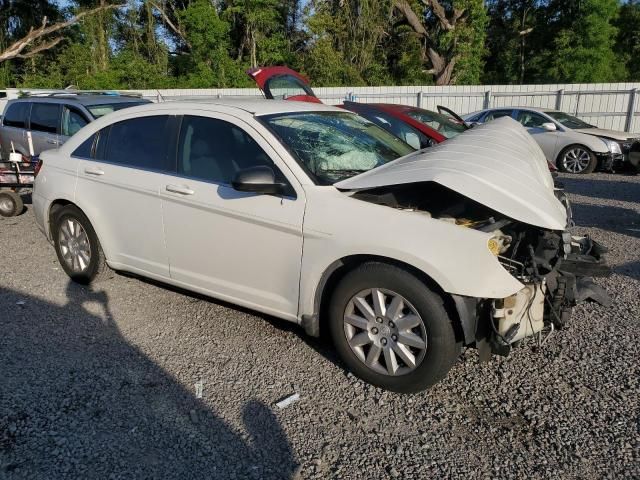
{"type": "Point", "coordinates": [256, 106]}
{"type": "Point", "coordinates": [522, 107]}
{"type": "Point", "coordinates": [82, 99]}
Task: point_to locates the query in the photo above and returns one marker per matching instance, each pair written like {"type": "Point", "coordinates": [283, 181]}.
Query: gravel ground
{"type": "Point", "coordinates": [99, 383]}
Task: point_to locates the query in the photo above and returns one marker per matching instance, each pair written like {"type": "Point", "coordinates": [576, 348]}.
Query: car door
{"type": "Point", "coordinates": [72, 121]}
{"type": "Point", "coordinates": [14, 128]}
{"type": "Point", "coordinates": [547, 140]}
{"type": "Point", "coordinates": [238, 246]}
{"type": "Point", "coordinates": [44, 123]}
{"type": "Point", "coordinates": [118, 187]}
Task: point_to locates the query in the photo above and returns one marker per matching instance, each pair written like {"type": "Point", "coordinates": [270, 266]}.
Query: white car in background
{"type": "Point", "coordinates": [571, 144]}
{"type": "Point", "coordinates": [315, 215]}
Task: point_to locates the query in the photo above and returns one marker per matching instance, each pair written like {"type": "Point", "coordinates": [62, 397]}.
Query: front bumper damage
{"type": "Point", "coordinates": [608, 161]}
{"type": "Point", "coordinates": [552, 287]}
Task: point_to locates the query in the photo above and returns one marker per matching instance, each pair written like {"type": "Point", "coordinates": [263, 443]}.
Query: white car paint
{"type": "Point", "coordinates": [270, 253]}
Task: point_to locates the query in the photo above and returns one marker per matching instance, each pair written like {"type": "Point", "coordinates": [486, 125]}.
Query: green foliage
{"type": "Point", "coordinates": [469, 42]}
{"type": "Point", "coordinates": [211, 43]}
{"type": "Point", "coordinates": [583, 49]}
{"type": "Point", "coordinates": [208, 65]}
{"type": "Point", "coordinates": [628, 41]}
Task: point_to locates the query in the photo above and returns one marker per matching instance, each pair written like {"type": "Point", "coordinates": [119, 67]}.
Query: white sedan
{"type": "Point", "coordinates": [317, 216]}
{"type": "Point", "coordinates": [568, 142]}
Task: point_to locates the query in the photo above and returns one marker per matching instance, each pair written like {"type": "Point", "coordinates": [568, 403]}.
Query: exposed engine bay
{"type": "Point", "coordinates": [555, 267]}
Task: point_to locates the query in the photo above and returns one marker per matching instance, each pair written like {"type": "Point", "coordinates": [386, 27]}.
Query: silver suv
{"type": "Point", "coordinates": [36, 123]}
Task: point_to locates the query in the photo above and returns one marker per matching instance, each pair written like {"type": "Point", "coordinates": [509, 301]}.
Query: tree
{"type": "Point", "coordinates": [208, 63]}
{"type": "Point", "coordinates": [628, 40]}
{"type": "Point", "coordinates": [346, 44]}
{"type": "Point", "coordinates": [452, 33]}
{"type": "Point", "coordinates": [582, 47]}
{"type": "Point", "coordinates": [40, 39]}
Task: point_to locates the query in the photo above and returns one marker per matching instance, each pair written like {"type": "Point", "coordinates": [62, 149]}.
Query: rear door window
{"type": "Point", "coordinates": [139, 142]}
{"type": "Point", "coordinates": [16, 115]}
{"type": "Point", "coordinates": [45, 117]}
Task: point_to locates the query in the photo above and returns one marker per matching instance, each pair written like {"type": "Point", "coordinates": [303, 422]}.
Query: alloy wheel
{"type": "Point", "coordinates": [74, 245]}
{"type": "Point", "coordinates": [576, 160]}
{"type": "Point", "coordinates": [385, 331]}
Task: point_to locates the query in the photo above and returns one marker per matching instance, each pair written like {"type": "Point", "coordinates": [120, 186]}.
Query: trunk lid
{"type": "Point", "coordinates": [282, 83]}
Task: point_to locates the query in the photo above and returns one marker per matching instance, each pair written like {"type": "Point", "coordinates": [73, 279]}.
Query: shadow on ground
{"type": "Point", "coordinates": [606, 189]}
{"type": "Point", "coordinates": [321, 345]}
{"type": "Point", "coordinates": [78, 401]}
{"type": "Point", "coordinates": [630, 269]}
{"type": "Point", "coordinates": [607, 217]}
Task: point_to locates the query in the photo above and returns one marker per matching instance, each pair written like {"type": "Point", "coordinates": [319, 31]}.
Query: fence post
{"type": "Point", "coordinates": [419, 101]}
{"type": "Point", "coordinates": [487, 99]}
{"type": "Point", "coordinates": [631, 110]}
{"type": "Point", "coordinates": [559, 99]}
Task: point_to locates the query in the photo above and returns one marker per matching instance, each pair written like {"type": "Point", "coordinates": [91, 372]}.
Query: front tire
{"type": "Point", "coordinates": [577, 159]}
{"type": "Point", "coordinates": [390, 329]}
{"type": "Point", "coordinates": [77, 246]}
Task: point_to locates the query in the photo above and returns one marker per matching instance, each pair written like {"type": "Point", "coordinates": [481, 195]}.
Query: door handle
{"type": "Point", "coordinates": [182, 190]}
{"type": "Point", "coordinates": [52, 142]}
{"type": "Point", "coordinates": [93, 171]}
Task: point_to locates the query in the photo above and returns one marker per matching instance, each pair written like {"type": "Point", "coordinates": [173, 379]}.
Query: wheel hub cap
{"type": "Point", "coordinates": [74, 245]}
{"type": "Point", "coordinates": [576, 160]}
{"type": "Point", "coordinates": [385, 331]}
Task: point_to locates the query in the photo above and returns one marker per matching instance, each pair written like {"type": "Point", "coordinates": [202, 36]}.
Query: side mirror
{"type": "Point", "coordinates": [549, 126]}
{"type": "Point", "coordinates": [259, 179]}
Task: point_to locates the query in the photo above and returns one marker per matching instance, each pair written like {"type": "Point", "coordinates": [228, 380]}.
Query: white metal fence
{"type": "Point", "coordinates": [608, 105]}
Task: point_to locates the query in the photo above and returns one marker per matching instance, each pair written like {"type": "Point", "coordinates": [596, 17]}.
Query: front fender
{"type": "Point", "coordinates": [456, 258]}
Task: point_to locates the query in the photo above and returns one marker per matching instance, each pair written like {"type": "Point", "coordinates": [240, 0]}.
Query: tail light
{"type": "Point", "coordinates": [37, 168]}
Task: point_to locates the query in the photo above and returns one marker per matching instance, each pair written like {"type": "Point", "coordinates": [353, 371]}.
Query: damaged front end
{"type": "Point", "coordinates": [557, 270]}
{"type": "Point", "coordinates": [554, 267]}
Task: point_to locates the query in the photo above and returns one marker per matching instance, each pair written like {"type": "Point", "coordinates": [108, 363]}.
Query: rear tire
{"type": "Point", "coordinates": [10, 204]}
{"type": "Point", "coordinates": [77, 246]}
{"type": "Point", "coordinates": [577, 159]}
{"type": "Point", "coordinates": [405, 348]}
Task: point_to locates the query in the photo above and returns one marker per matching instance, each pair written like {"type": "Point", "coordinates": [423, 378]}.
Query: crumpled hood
{"type": "Point", "coordinates": [497, 164]}
{"type": "Point", "coordinates": [602, 132]}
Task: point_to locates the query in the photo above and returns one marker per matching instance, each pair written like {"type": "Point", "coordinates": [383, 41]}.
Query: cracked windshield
{"type": "Point", "coordinates": [334, 146]}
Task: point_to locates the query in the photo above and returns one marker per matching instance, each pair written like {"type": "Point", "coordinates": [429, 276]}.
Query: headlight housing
{"type": "Point", "coordinates": [614, 147]}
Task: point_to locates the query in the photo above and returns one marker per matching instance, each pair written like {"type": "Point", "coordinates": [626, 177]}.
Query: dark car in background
{"type": "Point", "coordinates": [38, 122]}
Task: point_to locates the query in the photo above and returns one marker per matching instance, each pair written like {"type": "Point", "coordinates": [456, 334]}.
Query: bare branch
{"type": "Point", "coordinates": [16, 49]}
{"type": "Point", "coordinates": [175, 29]}
{"type": "Point", "coordinates": [40, 48]}
{"type": "Point", "coordinates": [440, 12]}
{"type": "Point", "coordinates": [411, 17]}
